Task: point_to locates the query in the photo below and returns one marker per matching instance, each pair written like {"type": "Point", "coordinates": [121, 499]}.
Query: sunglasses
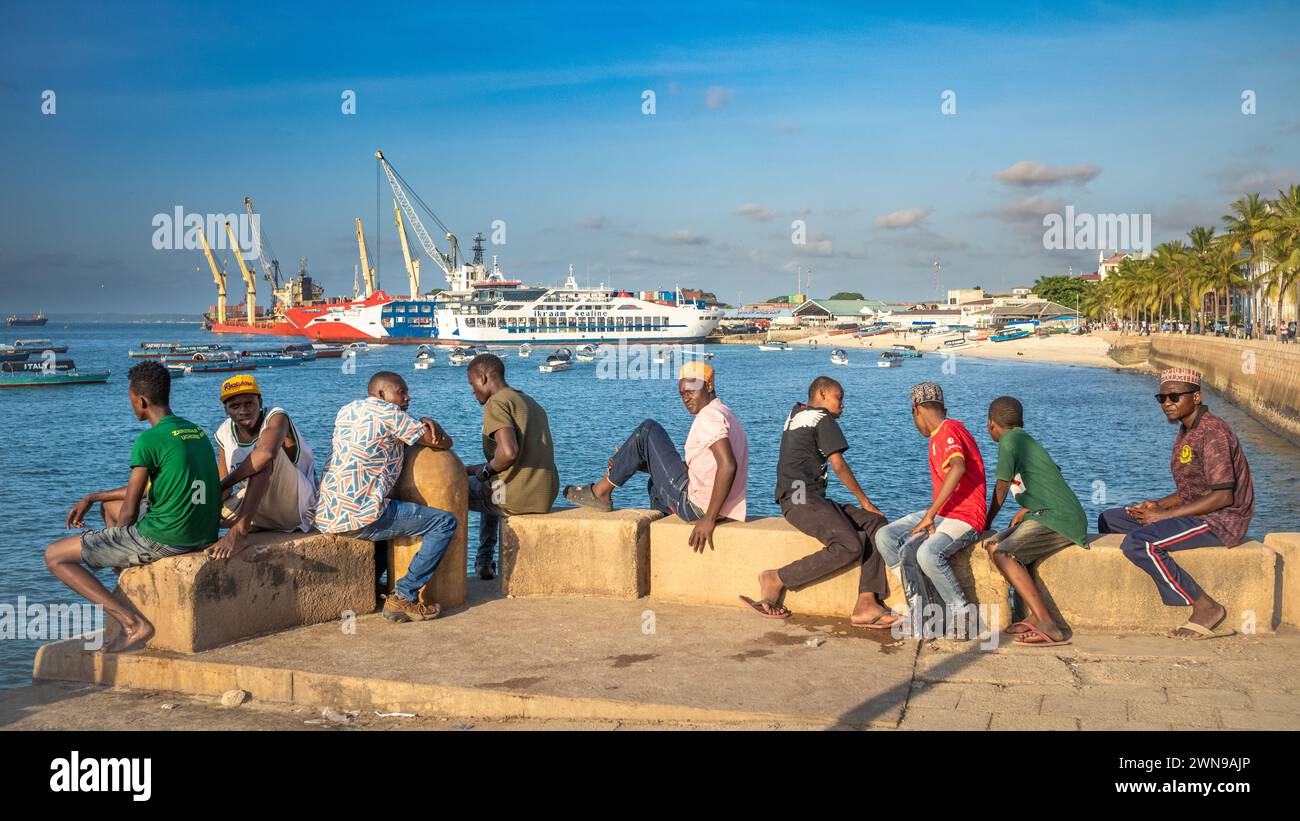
{"type": "Point", "coordinates": [1172, 397]}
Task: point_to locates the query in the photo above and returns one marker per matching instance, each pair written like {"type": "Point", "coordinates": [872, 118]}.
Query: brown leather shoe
{"type": "Point", "coordinates": [399, 609]}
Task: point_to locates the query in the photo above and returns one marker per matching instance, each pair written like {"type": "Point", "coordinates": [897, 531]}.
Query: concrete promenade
{"type": "Point", "coordinates": [603, 663]}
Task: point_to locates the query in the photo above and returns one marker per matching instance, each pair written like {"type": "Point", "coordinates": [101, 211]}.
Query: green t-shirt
{"type": "Point", "coordinates": [1039, 486]}
{"type": "Point", "coordinates": [184, 490]}
{"type": "Point", "coordinates": [533, 481]}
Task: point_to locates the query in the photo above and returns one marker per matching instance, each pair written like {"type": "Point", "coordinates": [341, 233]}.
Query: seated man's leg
{"type": "Point", "coordinates": [1016, 549]}
{"type": "Point", "coordinates": [931, 558]}
{"type": "Point", "coordinates": [273, 493]}
{"type": "Point", "coordinates": [489, 523]}
{"type": "Point", "coordinates": [889, 538]}
{"type": "Point", "coordinates": [436, 527]}
{"type": "Point", "coordinates": [822, 519]}
{"type": "Point", "coordinates": [1149, 546]}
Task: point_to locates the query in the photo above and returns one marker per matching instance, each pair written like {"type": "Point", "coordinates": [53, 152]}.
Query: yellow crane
{"type": "Point", "coordinates": [412, 264]}
{"type": "Point", "coordinates": [250, 282]}
{"type": "Point", "coordinates": [365, 260]}
{"type": "Point", "coordinates": [218, 276]}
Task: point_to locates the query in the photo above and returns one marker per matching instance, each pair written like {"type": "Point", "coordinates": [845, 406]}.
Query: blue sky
{"type": "Point", "coordinates": [532, 114]}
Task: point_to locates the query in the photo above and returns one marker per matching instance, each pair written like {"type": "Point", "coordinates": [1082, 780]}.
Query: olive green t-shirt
{"type": "Point", "coordinates": [532, 482]}
{"type": "Point", "coordinates": [184, 490]}
{"type": "Point", "coordinates": [1049, 500]}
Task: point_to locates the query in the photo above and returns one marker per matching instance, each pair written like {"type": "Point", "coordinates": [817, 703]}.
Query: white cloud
{"type": "Point", "coordinates": [1030, 173]}
{"type": "Point", "coordinates": [717, 97]}
{"type": "Point", "coordinates": [1030, 209]}
{"type": "Point", "coordinates": [754, 211]}
{"type": "Point", "coordinates": [903, 218]}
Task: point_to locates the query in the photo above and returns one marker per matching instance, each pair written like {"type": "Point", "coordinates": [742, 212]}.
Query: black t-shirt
{"type": "Point", "coordinates": [811, 435]}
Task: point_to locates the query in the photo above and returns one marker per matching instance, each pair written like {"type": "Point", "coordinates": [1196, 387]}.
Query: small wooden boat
{"type": "Point", "coordinates": [905, 352]}
{"type": "Point", "coordinates": [695, 354]}
{"type": "Point", "coordinates": [774, 346]}
{"type": "Point", "coordinates": [839, 357]}
{"type": "Point", "coordinates": [157, 350]}
{"type": "Point", "coordinates": [587, 353]}
{"type": "Point", "coordinates": [889, 359]}
{"type": "Point", "coordinates": [525, 350]}
{"type": "Point", "coordinates": [424, 360]}
{"type": "Point", "coordinates": [561, 360]}
{"type": "Point", "coordinates": [38, 346]}
{"type": "Point", "coordinates": [324, 351]}
{"type": "Point", "coordinates": [1008, 337]}
{"type": "Point", "coordinates": [48, 378]}
{"type": "Point", "coordinates": [462, 355]}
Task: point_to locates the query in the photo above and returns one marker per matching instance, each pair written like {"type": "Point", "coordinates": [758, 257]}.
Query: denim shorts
{"type": "Point", "coordinates": [124, 547]}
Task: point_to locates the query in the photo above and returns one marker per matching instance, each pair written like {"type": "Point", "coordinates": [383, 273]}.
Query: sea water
{"type": "Point", "coordinates": [1102, 427]}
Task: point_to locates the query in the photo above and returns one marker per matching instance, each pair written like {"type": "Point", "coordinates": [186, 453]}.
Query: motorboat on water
{"type": "Point", "coordinates": [1019, 333]}
{"type": "Point", "coordinates": [561, 360]}
{"type": "Point", "coordinates": [695, 354]}
{"type": "Point", "coordinates": [587, 353]}
{"type": "Point", "coordinates": [38, 346]}
{"type": "Point", "coordinates": [424, 359]}
{"type": "Point", "coordinates": [525, 351]}
{"type": "Point", "coordinates": [889, 359]}
{"type": "Point", "coordinates": [839, 357]}
{"type": "Point", "coordinates": [771, 345]}
{"type": "Point", "coordinates": [904, 352]}
{"type": "Point", "coordinates": [28, 378]}
{"type": "Point", "coordinates": [462, 355]}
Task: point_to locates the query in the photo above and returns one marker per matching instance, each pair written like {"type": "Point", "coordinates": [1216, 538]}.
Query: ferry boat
{"type": "Point", "coordinates": [839, 357]}
{"type": "Point", "coordinates": [499, 311]}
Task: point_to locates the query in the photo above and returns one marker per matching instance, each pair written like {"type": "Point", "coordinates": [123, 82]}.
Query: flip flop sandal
{"type": "Point", "coordinates": [872, 625]}
{"type": "Point", "coordinates": [1012, 631]}
{"type": "Point", "coordinates": [780, 611]}
{"type": "Point", "coordinates": [584, 496]}
{"type": "Point", "coordinates": [1039, 639]}
{"type": "Point", "coordinates": [1202, 632]}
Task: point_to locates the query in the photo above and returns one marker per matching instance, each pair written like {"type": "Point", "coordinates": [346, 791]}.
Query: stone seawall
{"type": "Point", "coordinates": [1263, 377]}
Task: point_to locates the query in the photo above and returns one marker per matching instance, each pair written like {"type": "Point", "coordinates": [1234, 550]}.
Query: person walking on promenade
{"type": "Point", "coordinates": [705, 487]}
{"type": "Point", "coordinates": [921, 543]}
{"type": "Point", "coordinates": [173, 459]}
{"type": "Point", "coordinates": [810, 440]}
{"type": "Point", "coordinates": [370, 439]}
{"type": "Point", "coordinates": [1050, 519]}
{"type": "Point", "coordinates": [268, 478]}
{"type": "Point", "coordinates": [519, 475]}
{"type": "Point", "coordinates": [1212, 504]}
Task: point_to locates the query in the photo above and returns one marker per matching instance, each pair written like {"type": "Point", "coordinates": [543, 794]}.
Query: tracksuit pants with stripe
{"type": "Point", "coordinates": [1149, 546]}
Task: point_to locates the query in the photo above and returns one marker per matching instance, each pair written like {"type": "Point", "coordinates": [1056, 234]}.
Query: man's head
{"type": "Point", "coordinates": [1180, 393]}
{"type": "Point", "coordinates": [928, 410]}
{"type": "Point", "coordinates": [1005, 413]}
{"type": "Point", "coordinates": [827, 394]}
{"type": "Point", "coordinates": [695, 386]}
{"type": "Point", "coordinates": [389, 387]}
{"type": "Point", "coordinates": [487, 375]}
{"type": "Point", "coordinates": [243, 400]}
{"type": "Point", "coordinates": [149, 385]}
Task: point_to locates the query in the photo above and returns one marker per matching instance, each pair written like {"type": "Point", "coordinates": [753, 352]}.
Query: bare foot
{"type": "Point", "coordinates": [770, 588]}
{"type": "Point", "coordinates": [228, 546]}
{"type": "Point", "coordinates": [870, 613]}
{"type": "Point", "coordinates": [136, 632]}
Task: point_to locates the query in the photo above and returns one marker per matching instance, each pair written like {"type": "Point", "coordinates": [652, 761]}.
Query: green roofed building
{"type": "Point", "coordinates": [832, 311]}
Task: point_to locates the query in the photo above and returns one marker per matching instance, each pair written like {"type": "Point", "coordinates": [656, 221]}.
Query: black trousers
{"type": "Point", "coordinates": [848, 532]}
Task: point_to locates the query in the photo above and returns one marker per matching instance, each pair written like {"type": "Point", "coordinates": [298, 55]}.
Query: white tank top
{"type": "Point", "coordinates": [236, 452]}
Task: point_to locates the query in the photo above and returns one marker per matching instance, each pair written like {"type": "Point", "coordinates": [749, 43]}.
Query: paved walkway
{"type": "Point", "coordinates": [597, 662]}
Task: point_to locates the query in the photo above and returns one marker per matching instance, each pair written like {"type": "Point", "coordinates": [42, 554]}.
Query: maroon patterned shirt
{"type": "Point", "coordinates": [1208, 457]}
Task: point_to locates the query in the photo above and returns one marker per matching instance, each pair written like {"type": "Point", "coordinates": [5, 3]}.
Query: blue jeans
{"type": "Point", "coordinates": [923, 560]}
{"type": "Point", "coordinates": [489, 519]}
{"type": "Point", "coordinates": [650, 449]}
{"type": "Point", "coordinates": [437, 527]}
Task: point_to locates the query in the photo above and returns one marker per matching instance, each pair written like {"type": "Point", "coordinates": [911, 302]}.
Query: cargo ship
{"type": "Point", "coordinates": [35, 320]}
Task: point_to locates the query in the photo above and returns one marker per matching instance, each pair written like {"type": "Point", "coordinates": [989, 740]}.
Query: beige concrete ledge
{"type": "Point", "coordinates": [1100, 588]}
{"type": "Point", "coordinates": [743, 550]}
{"type": "Point", "coordinates": [435, 478]}
{"type": "Point", "coordinates": [283, 580]}
{"type": "Point", "coordinates": [577, 552]}
{"type": "Point", "coordinates": [1287, 547]}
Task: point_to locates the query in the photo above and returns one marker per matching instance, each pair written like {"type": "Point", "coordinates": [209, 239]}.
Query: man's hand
{"type": "Point", "coordinates": [1145, 505]}
{"type": "Point", "coordinates": [228, 546]}
{"type": "Point", "coordinates": [866, 505]}
{"type": "Point", "coordinates": [1148, 515]}
{"type": "Point", "coordinates": [438, 437]}
{"type": "Point", "coordinates": [77, 516]}
{"type": "Point", "coordinates": [702, 534]}
{"type": "Point", "coordinates": [926, 525]}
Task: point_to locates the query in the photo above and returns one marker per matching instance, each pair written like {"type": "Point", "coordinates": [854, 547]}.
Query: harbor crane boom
{"type": "Point", "coordinates": [371, 286]}
{"type": "Point", "coordinates": [447, 262]}
{"type": "Point", "coordinates": [250, 281]}
{"type": "Point", "coordinates": [412, 263]}
{"type": "Point", "coordinates": [270, 267]}
{"type": "Point", "coordinates": [218, 276]}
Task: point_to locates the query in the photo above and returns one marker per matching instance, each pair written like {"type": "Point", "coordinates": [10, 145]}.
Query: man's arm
{"type": "Point", "coordinates": [702, 534]}
{"type": "Point", "coordinates": [131, 497]}
{"type": "Point", "coordinates": [845, 474]}
{"type": "Point", "coordinates": [262, 456]}
{"type": "Point", "coordinates": [1210, 502]}
{"type": "Point", "coordinates": [505, 454]}
{"type": "Point", "coordinates": [77, 515]}
{"type": "Point", "coordinates": [434, 436]}
{"type": "Point", "coordinates": [956, 470]}
{"type": "Point", "coordinates": [1000, 491]}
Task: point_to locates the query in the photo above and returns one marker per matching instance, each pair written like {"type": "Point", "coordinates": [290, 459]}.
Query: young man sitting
{"type": "Point", "coordinates": [921, 543]}
{"type": "Point", "coordinates": [174, 459]}
{"type": "Point", "coordinates": [1050, 520]}
{"type": "Point", "coordinates": [519, 475]}
{"type": "Point", "coordinates": [708, 485]}
{"type": "Point", "coordinates": [370, 439]}
{"type": "Point", "coordinates": [1213, 504]}
{"type": "Point", "coordinates": [812, 438]}
{"type": "Point", "coordinates": [268, 479]}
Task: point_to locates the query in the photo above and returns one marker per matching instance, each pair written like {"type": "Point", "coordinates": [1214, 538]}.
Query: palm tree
{"type": "Point", "coordinates": [1278, 238]}
{"type": "Point", "coordinates": [1242, 225]}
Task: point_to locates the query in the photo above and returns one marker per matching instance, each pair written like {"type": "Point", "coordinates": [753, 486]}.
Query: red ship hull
{"type": "Point", "coordinates": [267, 327]}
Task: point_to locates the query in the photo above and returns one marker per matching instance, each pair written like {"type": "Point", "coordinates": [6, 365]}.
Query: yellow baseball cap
{"type": "Point", "coordinates": [238, 385]}
{"type": "Point", "coordinates": [697, 370]}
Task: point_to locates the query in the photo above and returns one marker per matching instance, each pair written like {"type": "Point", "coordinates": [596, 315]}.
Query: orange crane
{"type": "Point", "coordinates": [365, 260]}
{"type": "Point", "coordinates": [218, 276]}
{"type": "Point", "coordinates": [250, 282]}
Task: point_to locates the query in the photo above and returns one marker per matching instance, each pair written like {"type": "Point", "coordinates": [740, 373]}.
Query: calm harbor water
{"type": "Point", "coordinates": [1102, 427]}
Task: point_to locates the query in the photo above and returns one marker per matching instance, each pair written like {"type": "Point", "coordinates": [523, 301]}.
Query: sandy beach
{"type": "Point", "coordinates": [1088, 349]}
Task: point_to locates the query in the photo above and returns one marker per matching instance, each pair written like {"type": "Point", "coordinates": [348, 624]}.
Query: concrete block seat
{"type": "Point", "coordinates": [577, 552]}
{"type": "Point", "coordinates": [745, 549]}
{"type": "Point", "coordinates": [1100, 588]}
{"type": "Point", "coordinates": [1287, 547]}
{"type": "Point", "coordinates": [283, 580]}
